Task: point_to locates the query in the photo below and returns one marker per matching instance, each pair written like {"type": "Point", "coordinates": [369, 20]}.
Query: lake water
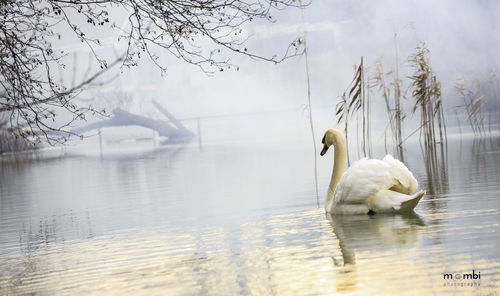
{"type": "Point", "coordinates": [240, 219]}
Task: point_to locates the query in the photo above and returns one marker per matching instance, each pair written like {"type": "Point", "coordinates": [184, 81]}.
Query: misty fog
{"type": "Point", "coordinates": [461, 37]}
{"type": "Point", "coordinates": [238, 205]}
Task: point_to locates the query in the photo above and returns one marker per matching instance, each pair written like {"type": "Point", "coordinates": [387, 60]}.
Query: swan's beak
{"type": "Point", "coordinates": [323, 151]}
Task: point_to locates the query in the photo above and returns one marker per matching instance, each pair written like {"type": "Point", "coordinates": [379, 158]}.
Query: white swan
{"type": "Point", "coordinates": [369, 185]}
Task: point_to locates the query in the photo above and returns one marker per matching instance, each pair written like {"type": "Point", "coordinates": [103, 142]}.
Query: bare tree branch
{"type": "Point", "coordinates": [199, 32]}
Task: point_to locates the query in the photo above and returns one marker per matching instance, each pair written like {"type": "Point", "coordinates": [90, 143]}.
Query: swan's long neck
{"type": "Point", "coordinates": [339, 165]}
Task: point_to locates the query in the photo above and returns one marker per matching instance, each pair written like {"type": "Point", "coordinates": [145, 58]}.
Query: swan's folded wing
{"type": "Point", "coordinates": [362, 180]}
{"type": "Point", "coordinates": [398, 170]}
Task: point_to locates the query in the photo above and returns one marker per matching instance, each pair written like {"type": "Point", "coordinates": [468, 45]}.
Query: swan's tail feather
{"type": "Point", "coordinates": [410, 204]}
{"type": "Point", "coordinates": [387, 201]}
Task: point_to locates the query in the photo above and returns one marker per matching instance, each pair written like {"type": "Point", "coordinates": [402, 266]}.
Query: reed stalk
{"type": "Point", "coordinates": [309, 104]}
{"type": "Point", "coordinates": [397, 99]}
{"type": "Point", "coordinates": [379, 80]}
{"type": "Point", "coordinates": [342, 114]}
{"type": "Point", "coordinates": [394, 111]}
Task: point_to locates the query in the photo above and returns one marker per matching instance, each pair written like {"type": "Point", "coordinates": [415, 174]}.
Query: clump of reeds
{"type": "Point", "coordinates": [394, 110]}
{"type": "Point", "coordinates": [477, 102]}
{"type": "Point", "coordinates": [426, 91]}
{"type": "Point", "coordinates": [473, 101]}
{"type": "Point", "coordinates": [354, 101]}
{"type": "Point", "coordinates": [494, 94]}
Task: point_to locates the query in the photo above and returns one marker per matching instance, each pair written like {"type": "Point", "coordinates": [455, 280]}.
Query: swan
{"type": "Point", "coordinates": [369, 186]}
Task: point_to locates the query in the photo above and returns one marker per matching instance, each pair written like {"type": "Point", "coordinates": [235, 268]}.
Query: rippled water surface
{"type": "Point", "coordinates": [239, 219]}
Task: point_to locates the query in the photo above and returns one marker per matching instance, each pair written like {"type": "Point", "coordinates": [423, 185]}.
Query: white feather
{"type": "Point", "coordinates": [372, 184]}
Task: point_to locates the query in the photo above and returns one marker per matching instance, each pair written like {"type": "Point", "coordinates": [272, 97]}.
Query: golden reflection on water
{"type": "Point", "coordinates": [294, 254]}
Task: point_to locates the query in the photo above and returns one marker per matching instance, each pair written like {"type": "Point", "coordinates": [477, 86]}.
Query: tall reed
{"type": "Point", "coordinates": [309, 104]}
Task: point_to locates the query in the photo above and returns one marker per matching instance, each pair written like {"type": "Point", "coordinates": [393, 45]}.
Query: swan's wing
{"type": "Point", "coordinates": [366, 177]}
{"type": "Point", "coordinates": [362, 180]}
{"type": "Point", "coordinates": [407, 182]}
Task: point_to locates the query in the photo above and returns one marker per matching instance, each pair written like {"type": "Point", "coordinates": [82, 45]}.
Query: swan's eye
{"type": "Point", "coordinates": [323, 141]}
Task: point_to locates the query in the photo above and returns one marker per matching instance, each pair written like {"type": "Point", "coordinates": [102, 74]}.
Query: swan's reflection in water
{"type": "Point", "coordinates": [369, 233]}
{"type": "Point", "coordinates": [365, 233]}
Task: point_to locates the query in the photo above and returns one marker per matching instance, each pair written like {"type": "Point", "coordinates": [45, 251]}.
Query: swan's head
{"type": "Point", "coordinates": [331, 137]}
